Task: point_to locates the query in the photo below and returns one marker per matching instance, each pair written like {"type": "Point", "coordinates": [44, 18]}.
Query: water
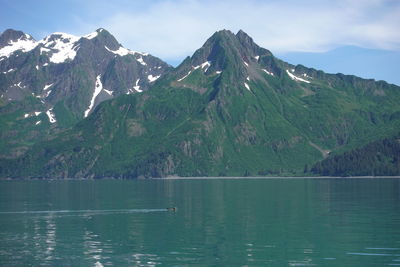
{"type": "Point", "coordinates": [226, 222]}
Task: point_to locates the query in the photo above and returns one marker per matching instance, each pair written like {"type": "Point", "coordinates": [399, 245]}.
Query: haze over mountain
{"type": "Point", "coordinates": [231, 109]}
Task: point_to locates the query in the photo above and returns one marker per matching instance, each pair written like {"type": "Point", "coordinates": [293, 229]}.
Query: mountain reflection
{"type": "Point", "coordinates": [227, 222]}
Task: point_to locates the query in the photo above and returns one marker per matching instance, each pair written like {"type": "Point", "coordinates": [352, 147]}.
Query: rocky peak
{"type": "Point", "coordinates": [250, 47]}
{"type": "Point", "coordinates": [224, 47]}
{"type": "Point", "coordinates": [55, 39]}
{"type": "Point", "coordinates": [219, 50]}
{"type": "Point", "coordinates": [103, 38]}
{"type": "Point", "coordinates": [11, 35]}
{"type": "Point", "coordinates": [12, 41]}
{"type": "Point", "coordinates": [244, 36]}
{"type": "Point", "coordinates": [76, 71]}
{"type": "Point", "coordinates": [234, 60]}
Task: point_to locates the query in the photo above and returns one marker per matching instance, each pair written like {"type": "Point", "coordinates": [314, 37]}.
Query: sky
{"type": "Point", "coordinates": [359, 37]}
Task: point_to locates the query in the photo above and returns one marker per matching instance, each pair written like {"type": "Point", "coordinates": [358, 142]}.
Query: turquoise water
{"type": "Point", "coordinates": [224, 222]}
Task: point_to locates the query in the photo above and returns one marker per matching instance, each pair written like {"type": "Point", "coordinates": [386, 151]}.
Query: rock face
{"type": "Point", "coordinates": [66, 76]}
{"type": "Point", "coordinates": [63, 67]}
{"type": "Point", "coordinates": [231, 109]}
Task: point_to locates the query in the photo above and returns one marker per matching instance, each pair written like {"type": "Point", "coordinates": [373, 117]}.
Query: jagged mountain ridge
{"type": "Point", "coordinates": [230, 109]}
{"type": "Point", "coordinates": [35, 65]}
{"type": "Point", "coordinates": [55, 82]}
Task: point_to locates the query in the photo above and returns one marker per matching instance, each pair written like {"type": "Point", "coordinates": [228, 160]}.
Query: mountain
{"type": "Point", "coordinates": [231, 109]}
{"type": "Point", "coordinates": [378, 158]}
{"type": "Point", "coordinates": [53, 83]}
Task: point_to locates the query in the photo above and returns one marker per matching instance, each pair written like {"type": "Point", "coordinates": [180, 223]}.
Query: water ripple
{"type": "Point", "coordinates": [369, 254]}
{"type": "Point", "coordinates": [93, 212]}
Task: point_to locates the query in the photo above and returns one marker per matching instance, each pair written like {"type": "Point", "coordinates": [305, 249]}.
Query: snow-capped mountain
{"type": "Point", "coordinates": [53, 83]}
{"type": "Point", "coordinates": [80, 72]}
{"type": "Point", "coordinates": [231, 109]}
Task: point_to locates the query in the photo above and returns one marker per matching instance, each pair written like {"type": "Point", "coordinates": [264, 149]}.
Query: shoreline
{"type": "Point", "coordinates": [207, 178]}
{"type": "Point", "coordinates": [274, 177]}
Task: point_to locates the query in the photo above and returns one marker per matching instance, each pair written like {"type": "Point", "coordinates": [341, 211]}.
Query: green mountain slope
{"type": "Point", "coordinates": [232, 109]}
{"type": "Point", "coordinates": [378, 158]}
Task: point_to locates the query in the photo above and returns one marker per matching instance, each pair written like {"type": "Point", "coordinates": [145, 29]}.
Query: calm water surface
{"type": "Point", "coordinates": [230, 222]}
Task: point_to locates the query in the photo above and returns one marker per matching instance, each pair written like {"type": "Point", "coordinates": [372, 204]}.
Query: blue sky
{"type": "Point", "coordinates": [360, 37]}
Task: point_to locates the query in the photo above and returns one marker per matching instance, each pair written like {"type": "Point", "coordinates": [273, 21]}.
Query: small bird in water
{"type": "Point", "coordinates": [172, 209]}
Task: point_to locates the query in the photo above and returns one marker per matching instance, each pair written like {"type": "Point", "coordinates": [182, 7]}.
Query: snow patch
{"type": "Point", "coordinates": [248, 78]}
{"type": "Point", "coordinates": [185, 76]}
{"type": "Point", "coordinates": [47, 94]}
{"type": "Point", "coordinates": [152, 78]}
{"type": "Point", "coordinates": [38, 122]}
{"type": "Point", "coordinates": [65, 46]}
{"type": "Point", "coordinates": [141, 61]}
{"type": "Point", "coordinates": [121, 51]}
{"type": "Point", "coordinates": [295, 78]}
{"type": "Point", "coordinates": [37, 113]}
{"type": "Point", "coordinates": [257, 57]}
{"type": "Point", "coordinates": [247, 86]}
{"type": "Point", "coordinates": [245, 63]}
{"type": "Point", "coordinates": [108, 91]}
{"type": "Point", "coordinates": [50, 114]}
{"type": "Point", "coordinates": [267, 72]}
{"type": "Point", "coordinates": [45, 64]}
{"type": "Point", "coordinates": [218, 72]}
{"type": "Point", "coordinates": [91, 35]}
{"type": "Point", "coordinates": [137, 87]}
{"type": "Point", "coordinates": [97, 90]}
{"type": "Point", "coordinates": [37, 67]}
{"type": "Point", "coordinates": [10, 70]}
{"type": "Point", "coordinates": [22, 44]}
{"type": "Point", "coordinates": [206, 65]}
{"type": "Point", "coordinates": [44, 50]}
{"type": "Point", "coordinates": [26, 115]}
{"type": "Point", "coordinates": [47, 86]}
{"type": "Point", "coordinates": [19, 85]}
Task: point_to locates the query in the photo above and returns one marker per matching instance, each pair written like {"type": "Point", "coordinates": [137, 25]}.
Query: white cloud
{"type": "Point", "coordinates": [175, 29]}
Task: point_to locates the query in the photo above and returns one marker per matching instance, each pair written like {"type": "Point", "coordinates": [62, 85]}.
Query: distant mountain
{"type": "Point", "coordinates": [232, 109]}
{"type": "Point", "coordinates": [380, 64]}
{"type": "Point", "coordinates": [57, 81]}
